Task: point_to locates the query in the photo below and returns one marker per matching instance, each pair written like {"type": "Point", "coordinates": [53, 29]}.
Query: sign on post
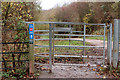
{"type": "Point", "coordinates": [31, 32]}
{"type": "Point", "coordinates": [31, 48]}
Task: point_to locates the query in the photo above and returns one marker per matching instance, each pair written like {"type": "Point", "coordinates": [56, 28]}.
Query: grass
{"type": "Point", "coordinates": [68, 51]}
{"type": "Point", "coordinates": [97, 38]}
{"type": "Point", "coordinates": [77, 43]}
{"type": "Point", "coordinates": [73, 50]}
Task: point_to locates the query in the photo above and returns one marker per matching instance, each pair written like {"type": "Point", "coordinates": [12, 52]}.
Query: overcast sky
{"type": "Point", "coordinates": [48, 4]}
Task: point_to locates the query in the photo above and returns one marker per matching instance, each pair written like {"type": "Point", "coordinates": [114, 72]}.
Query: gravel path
{"type": "Point", "coordinates": [71, 72]}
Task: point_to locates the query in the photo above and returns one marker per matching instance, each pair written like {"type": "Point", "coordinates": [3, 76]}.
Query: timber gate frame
{"type": "Point", "coordinates": [51, 39]}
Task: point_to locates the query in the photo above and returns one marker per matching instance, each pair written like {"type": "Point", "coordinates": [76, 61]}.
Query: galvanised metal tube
{"type": "Point", "coordinates": [41, 34]}
{"type": "Point", "coordinates": [40, 53]}
{"type": "Point", "coordinates": [42, 64]}
{"type": "Point", "coordinates": [116, 43]}
{"type": "Point", "coordinates": [78, 56]}
{"type": "Point", "coordinates": [41, 30]}
{"type": "Point", "coordinates": [59, 39]}
{"type": "Point", "coordinates": [110, 43]}
{"type": "Point", "coordinates": [78, 35]}
{"type": "Point", "coordinates": [50, 47]}
{"type": "Point", "coordinates": [84, 41]}
{"type": "Point", "coordinates": [72, 46]}
{"type": "Point", "coordinates": [42, 46]}
{"type": "Point", "coordinates": [53, 26]}
{"type": "Point", "coordinates": [57, 31]}
{"type": "Point", "coordinates": [73, 23]}
{"type": "Point", "coordinates": [70, 34]}
{"type": "Point", "coordinates": [104, 45]}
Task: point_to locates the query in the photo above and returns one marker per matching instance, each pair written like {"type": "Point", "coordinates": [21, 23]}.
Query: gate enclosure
{"type": "Point", "coordinates": [49, 38]}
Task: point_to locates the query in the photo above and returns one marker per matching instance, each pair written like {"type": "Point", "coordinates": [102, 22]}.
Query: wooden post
{"type": "Point", "coordinates": [31, 59]}
{"type": "Point", "coordinates": [31, 49]}
{"type": "Point", "coordinates": [0, 44]}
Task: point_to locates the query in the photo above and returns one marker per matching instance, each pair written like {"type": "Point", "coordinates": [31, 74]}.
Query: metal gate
{"type": "Point", "coordinates": [116, 43]}
{"type": "Point", "coordinates": [48, 37]}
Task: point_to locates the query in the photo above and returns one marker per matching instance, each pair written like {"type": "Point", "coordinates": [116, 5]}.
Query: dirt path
{"type": "Point", "coordinates": [75, 71]}
{"type": "Point", "coordinates": [95, 42]}
{"type": "Point", "coordinates": [71, 72]}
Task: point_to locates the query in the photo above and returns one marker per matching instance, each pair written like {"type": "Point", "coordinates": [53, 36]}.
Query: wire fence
{"type": "Point", "coordinates": [15, 50]}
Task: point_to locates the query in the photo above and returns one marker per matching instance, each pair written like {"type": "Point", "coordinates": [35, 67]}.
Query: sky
{"type": "Point", "coordinates": [48, 4]}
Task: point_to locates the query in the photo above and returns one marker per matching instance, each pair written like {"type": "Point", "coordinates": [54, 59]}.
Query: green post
{"type": "Point", "coordinates": [31, 48]}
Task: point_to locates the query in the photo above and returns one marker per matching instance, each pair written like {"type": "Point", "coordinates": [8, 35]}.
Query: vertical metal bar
{"type": "Point", "coordinates": [50, 47]}
{"type": "Point", "coordinates": [53, 44]}
{"type": "Point", "coordinates": [70, 34]}
{"type": "Point", "coordinates": [104, 45]}
{"type": "Point", "coordinates": [116, 43]}
{"type": "Point", "coordinates": [84, 41]}
{"type": "Point", "coordinates": [108, 45]}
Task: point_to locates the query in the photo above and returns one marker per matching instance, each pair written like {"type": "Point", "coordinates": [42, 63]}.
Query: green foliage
{"type": "Point", "coordinates": [5, 75]}
{"type": "Point", "coordinates": [14, 14]}
{"type": "Point", "coordinates": [14, 74]}
{"type": "Point", "coordinates": [21, 34]}
{"type": "Point", "coordinates": [16, 37]}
